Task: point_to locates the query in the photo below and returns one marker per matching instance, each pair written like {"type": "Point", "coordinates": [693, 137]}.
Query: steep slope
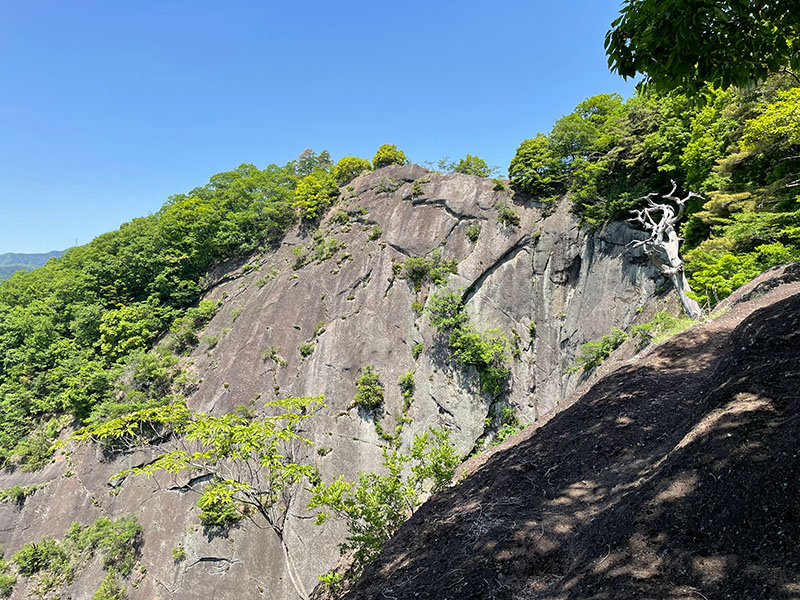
{"type": "Point", "coordinates": [677, 476]}
{"type": "Point", "coordinates": [340, 293]}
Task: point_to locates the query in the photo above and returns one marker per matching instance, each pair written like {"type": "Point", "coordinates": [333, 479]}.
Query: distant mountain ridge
{"type": "Point", "coordinates": [11, 262]}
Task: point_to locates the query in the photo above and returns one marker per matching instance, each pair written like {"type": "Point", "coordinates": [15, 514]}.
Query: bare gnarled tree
{"type": "Point", "coordinates": [663, 244]}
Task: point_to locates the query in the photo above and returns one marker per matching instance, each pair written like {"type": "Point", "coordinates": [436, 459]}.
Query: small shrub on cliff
{"type": "Point", "coordinates": [388, 154]}
{"type": "Point", "coordinates": [473, 232]}
{"type": "Point", "coordinates": [487, 350]}
{"type": "Point", "coordinates": [7, 580]}
{"type": "Point", "coordinates": [17, 493]}
{"type": "Point", "coordinates": [370, 389]}
{"type": "Point", "coordinates": [184, 329]}
{"type": "Point", "coordinates": [218, 507]}
{"type": "Point", "coordinates": [507, 216]}
{"type": "Point", "coordinates": [306, 349]}
{"type": "Point", "coordinates": [110, 589]}
{"type": "Point", "coordinates": [592, 354]}
{"type": "Point", "coordinates": [35, 557]}
{"type": "Point", "coordinates": [178, 553]}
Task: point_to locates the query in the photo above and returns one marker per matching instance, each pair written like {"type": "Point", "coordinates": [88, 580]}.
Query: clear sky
{"type": "Point", "coordinates": [107, 108]}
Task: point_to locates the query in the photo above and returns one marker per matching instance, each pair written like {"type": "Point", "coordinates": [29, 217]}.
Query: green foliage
{"type": "Point", "coordinates": [184, 329]}
{"type": "Point", "coordinates": [473, 165]}
{"type": "Point", "coordinates": [778, 123]}
{"type": "Point", "coordinates": [446, 310]}
{"type": "Point", "coordinates": [36, 450]}
{"type": "Point", "coordinates": [420, 269]}
{"type": "Point", "coordinates": [473, 232]}
{"type": "Point", "coordinates": [69, 329]}
{"type": "Point", "coordinates": [370, 389]}
{"type": "Point", "coordinates": [218, 446]}
{"type": "Point", "coordinates": [506, 215]}
{"type": "Point", "coordinates": [315, 192]}
{"type": "Point", "coordinates": [118, 541]}
{"type": "Point", "coordinates": [536, 169]}
{"type": "Point", "coordinates": [306, 349]}
{"type": "Point", "coordinates": [178, 553]}
{"type": "Point", "coordinates": [686, 43]}
{"type": "Point", "coordinates": [663, 326]}
{"type": "Point", "coordinates": [417, 350]}
{"type": "Point", "coordinates": [388, 154]}
{"type": "Point", "coordinates": [35, 557]}
{"type": "Point", "coordinates": [386, 185]}
{"type": "Point", "coordinates": [218, 507]}
{"type": "Point", "coordinates": [348, 168]}
{"type": "Point", "coordinates": [510, 425]}
{"type": "Point", "coordinates": [375, 233]}
{"type": "Point", "coordinates": [110, 588]}
{"type": "Point", "coordinates": [375, 507]}
{"type": "Point", "coordinates": [310, 162]}
{"type": "Point", "coordinates": [406, 383]}
{"type": "Point", "coordinates": [7, 580]}
{"type": "Point", "coordinates": [592, 354]}
{"type": "Point", "coordinates": [17, 493]}
{"type": "Point", "coordinates": [487, 350]}
{"type": "Point", "coordinates": [715, 276]}
{"type": "Point", "coordinates": [340, 218]}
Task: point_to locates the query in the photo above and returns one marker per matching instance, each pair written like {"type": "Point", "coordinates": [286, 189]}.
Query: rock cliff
{"type": "Point", "coordinates": [338, 293]}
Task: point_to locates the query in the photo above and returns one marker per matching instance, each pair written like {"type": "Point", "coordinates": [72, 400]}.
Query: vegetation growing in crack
{"type": "Point", "coordinates": [420, 270]}
{"type": "Point", "coordinates": [18, 493]}
{"type": "Point", "coordinates": [370, 389]}
{"type": "Point", "coordinates": [56, 564]}
{"type": "Point", "coordinates": [486, 350]}
{"type": "Point", "coordinates": [506, 215]}
{"type": "Point", "coordinates": [375, 506]}
{"type": "Point", "coordinates": [473, 232]}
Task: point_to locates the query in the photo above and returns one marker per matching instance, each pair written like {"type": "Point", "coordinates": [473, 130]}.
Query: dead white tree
{"type": "Point", "coordinates": [663, 245]}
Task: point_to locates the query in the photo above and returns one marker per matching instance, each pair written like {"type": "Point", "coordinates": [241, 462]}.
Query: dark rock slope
{"type": "Point", "coordinates": [339, 293]}
{"type": "Point", "coordinates": [677, 476]}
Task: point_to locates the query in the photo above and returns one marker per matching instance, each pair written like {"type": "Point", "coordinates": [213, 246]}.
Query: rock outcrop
{"type": "Point", "coordinates": [338, 291]}
{"type": "Point", "coordinates": [677, 476]}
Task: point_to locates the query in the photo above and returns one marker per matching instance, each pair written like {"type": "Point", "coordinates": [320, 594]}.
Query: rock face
{"type": "Point", "coordinates": [347, 301]}
{"type": "Point", "coordinates": [676, 476]}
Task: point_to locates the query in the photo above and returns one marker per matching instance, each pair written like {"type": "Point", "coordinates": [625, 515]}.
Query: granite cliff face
{"type": "Point", "coordinates": [350, 305]}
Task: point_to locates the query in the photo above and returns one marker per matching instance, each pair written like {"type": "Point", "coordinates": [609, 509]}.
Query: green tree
{"type": "Point", "coordinates": [251, 460]}
{"type": "Point", "coordinates": [310, 162]}
{"type": "Point", "coordinates": [536, 169]}
{"type": "Point", "coordinates": [687, 43]}
{"type": "Point", "coordinates": [374, 507]}
{"type": "Point", "coordinates": [473, 165]}
{"type": "Point", "coordinates": [388, 154]}
{"type": "Point", "coordinates": [350, 167]}
{"type": "Point", "coordinates": [314, 194]}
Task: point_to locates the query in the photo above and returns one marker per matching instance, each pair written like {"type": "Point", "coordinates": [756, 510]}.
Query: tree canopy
{"type": "Point", "coordinates": [688, 43]}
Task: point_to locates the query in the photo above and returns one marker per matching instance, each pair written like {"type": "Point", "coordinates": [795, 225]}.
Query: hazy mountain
{"type": "Point", "coordinates": [10, 262]}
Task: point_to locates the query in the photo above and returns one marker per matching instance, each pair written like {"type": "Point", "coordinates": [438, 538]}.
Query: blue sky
{"type": "Point", "coordinates": [107, 108]}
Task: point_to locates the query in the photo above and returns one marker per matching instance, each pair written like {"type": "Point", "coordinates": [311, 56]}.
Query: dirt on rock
{"type": "Point", "coordinates": [675, 477]}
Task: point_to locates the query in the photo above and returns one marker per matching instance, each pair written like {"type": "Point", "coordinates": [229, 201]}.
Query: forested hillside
{"type": "Point", "coordinates": [11, 262]}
